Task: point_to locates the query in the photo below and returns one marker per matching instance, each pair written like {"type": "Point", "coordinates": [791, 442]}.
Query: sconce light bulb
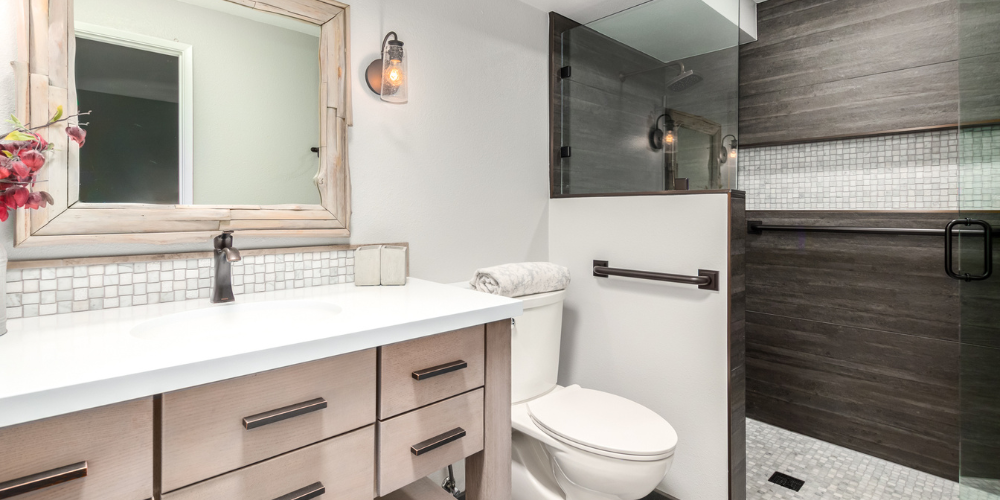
{"type": "Point", "coordinates": [669, 138]}
{"type": "Point", "coordinates": [394, 74]}
{"type": "Point", "coordinates": [732, 153]}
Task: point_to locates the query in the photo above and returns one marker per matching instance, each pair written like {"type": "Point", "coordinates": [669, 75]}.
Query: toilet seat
{"type": "Point", "coordinates": [604, 424]}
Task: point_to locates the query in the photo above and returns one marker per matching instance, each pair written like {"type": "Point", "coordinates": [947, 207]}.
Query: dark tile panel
{"type": "Point", "coordinates": [864, 105]}
{"type": "Point", "coordinates": [801, 54]}
{"type": "Point", "coordinates": [899, 304]}
{"type": "Point", "coordinates": [823, 68]}
{"type": "Point", "coordinates": [872, 438]}
{"type": "Point", "coordinates": [833, 387]}
{"type": "Point", "coordinates": [872, 355]}
{"type": "Point", "coordinates": [980, 412]}
{"type": "Point", "coordinates": [737, 347]}
{"type": "Point", "coordinates": [854, 338]}
{"type": "Point", "coordinates": [796, 18]}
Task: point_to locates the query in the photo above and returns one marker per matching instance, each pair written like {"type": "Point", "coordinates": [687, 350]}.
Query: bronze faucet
{"type": "Point", "coordinates": [225, 255]}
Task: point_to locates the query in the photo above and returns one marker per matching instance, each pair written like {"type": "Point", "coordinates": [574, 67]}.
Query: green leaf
{"type": "Point", "coordinates": [58, 115]}
{"type": "Point", "coordinates": [8, 153]}
{"type": "Point", "coordinates": [17, 123]}
{"type": "Point", "coordinates": [17, 135]}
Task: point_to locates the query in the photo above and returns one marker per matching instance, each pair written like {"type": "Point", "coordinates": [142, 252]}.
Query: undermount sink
{"type": "Point", "coordinates": [234, 320]}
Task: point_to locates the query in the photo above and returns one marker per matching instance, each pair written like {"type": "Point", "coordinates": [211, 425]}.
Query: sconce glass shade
{"type": "Point", "coordinates": [395, 79]}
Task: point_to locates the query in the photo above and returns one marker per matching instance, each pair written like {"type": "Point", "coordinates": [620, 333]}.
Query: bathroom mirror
{"type": "Point", "coordinates": [203, 115]}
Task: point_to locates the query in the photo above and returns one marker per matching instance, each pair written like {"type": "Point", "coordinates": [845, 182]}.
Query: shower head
{"type": "Point", "coordinates": [684, 81]}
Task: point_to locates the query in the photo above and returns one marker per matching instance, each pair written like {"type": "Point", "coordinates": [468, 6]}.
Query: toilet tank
{"type": "Point", "coordinates": [535, 337]}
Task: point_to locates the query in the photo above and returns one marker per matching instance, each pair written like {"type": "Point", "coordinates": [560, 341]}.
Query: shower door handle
{"type": "Point", "coordinates": [987, 249]}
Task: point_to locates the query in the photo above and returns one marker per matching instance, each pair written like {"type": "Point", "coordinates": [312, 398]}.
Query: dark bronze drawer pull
{"type": "Point", "coordinates": [434, 371]}
{"type": "Point", "coordinates": [437, 441]}
{"type": "Point", "coordinates": [270, 417]}
{"type": "Point", "coordinates": [312, 491]}
{"type": "Point", "coordinates": [27, 484]}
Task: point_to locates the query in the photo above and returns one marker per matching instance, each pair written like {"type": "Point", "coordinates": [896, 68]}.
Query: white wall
{"type": "Point", "coordinates": [460, 172]}
{"type": "Point", "coordinates": [663, 345]}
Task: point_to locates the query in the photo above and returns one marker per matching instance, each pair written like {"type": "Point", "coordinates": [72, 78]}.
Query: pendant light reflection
{"type": "Point", "coordinates": [663, 139]}
{"type": "Point", "coordinates": [387, 76]}
{"type": "Point", "coordinates": [728, 153]}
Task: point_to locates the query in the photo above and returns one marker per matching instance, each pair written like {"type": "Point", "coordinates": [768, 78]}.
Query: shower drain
{"type": "Point", "coordinates": [786, 481]}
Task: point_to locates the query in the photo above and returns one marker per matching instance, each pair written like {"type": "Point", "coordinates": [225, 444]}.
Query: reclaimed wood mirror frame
{"type": "Point", "coordinates": [44, 73]}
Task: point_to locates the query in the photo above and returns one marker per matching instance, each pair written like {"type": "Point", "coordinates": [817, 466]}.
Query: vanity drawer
{"type": "Point", "coordinates": [215, 428]}
{"type": "Point", "coordinates": [112, 445]}
{"type": "Point", "coordinates": [415, 444]}
{"type": "Point", "coordinates": [344, 467]}
{"type": "Point", "coordinates": [419, 372]}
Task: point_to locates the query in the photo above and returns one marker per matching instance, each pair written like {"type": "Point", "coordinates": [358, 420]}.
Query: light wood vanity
{"type": "Point", "coordinates": [357, 426]}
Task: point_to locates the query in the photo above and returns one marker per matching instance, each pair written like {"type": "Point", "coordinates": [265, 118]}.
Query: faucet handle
{"type": "Point", "coordinates": [224, 240]}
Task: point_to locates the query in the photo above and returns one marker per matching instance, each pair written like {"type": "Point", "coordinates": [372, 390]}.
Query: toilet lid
{"type": "Point", "coordinates": [603, 421]}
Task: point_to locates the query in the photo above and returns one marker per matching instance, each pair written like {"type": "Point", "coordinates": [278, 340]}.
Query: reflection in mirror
{"type": "Point", "coordinates": [196, 102]}
{"type": "Point", "coordinates": [628, 70]}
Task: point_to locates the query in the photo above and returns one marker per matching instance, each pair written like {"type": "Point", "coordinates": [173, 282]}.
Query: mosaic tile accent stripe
{"type": "Point", "coordinates": [980, 168]}
{"type": "Point", "coordinates": [59, 290]}
{"type": "Point", "coordinates": [903, 172]}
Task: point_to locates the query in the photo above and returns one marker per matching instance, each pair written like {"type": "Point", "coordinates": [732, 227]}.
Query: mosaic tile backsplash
{"type": "Point", "coordinates": [919, 171]}
{"type": "Point", "coordinates": [58, 290]}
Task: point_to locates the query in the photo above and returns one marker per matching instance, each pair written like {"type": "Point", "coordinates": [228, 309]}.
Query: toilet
{"type": "Point", "coordinates": [573, 443]}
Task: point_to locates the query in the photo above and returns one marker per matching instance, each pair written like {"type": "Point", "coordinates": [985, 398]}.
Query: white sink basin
{"type": "Point", "coordinates": [235, 320]}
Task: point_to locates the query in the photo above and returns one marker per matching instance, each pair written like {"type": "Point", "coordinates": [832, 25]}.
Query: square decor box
{"type": "Point", "coordinates": [393, 265]}
{"type": "Point", "coordinates": [368, 265]}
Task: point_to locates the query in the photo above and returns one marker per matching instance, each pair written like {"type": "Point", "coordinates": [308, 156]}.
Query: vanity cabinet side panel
{"type": "Point", "coordinates": [203, 434]}
{"type": "Point", "coordinates": [345, 465]}
{"type": "Point", "coordinates": [116, 441]}
{"type": "Point", "coordinates": [488, 473]}
{"type": "Point", "coordinates": [400, 392]}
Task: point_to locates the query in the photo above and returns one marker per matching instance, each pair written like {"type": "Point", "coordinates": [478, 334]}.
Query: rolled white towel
{"type": "Point", "coordinates": [526, 278]}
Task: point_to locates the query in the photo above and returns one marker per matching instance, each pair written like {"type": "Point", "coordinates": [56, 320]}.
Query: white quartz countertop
{"type": "Point", "coordinates": [59, 364]}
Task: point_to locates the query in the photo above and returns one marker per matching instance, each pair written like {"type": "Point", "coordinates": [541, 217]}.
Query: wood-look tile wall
{"type": "Point", "coordinates": [737, 347]}
{"type": "Point", "coordinates": [855, 338]}
{"type": "Point", "coordinates": [823, 68]}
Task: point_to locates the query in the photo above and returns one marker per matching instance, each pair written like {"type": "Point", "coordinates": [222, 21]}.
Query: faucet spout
{"type": "Point", "coordinates": [225, 255]}
{"type": "Point", "coordinates": [232, 254]}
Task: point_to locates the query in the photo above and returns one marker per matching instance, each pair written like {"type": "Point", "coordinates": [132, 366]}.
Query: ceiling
{"type": "Point", "coordinates": [585, 11]}
{"type": "Point", "coordinates": [670, 30]}
{"type": "Point", "coordinates": [665, 29]}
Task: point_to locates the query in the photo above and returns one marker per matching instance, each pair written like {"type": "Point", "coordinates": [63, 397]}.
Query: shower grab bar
{"type": "Point", "coordinates": [758, 227]}
{"type": "Point", "coordinates": [706, 280]}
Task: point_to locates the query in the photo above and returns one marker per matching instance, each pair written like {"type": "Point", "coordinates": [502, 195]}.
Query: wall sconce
{"type": "Point", "coordinates": [730, 153]}
{"type": "Point", "coordinates": [667, 136]}
{"type": "Point", "coordinates": [387, 76]}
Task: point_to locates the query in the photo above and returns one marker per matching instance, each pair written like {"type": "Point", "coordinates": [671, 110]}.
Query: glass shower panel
{"type": "Point", "coordinates": [646, 100]}
{"type": "Point", "coordinates": [979, 198]}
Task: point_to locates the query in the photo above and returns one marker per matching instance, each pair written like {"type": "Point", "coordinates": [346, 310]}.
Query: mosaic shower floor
{"type": "Point", "coordinates": [833, 472]}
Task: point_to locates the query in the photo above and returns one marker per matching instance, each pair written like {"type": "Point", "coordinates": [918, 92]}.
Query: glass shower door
{"type": "Point", "coordinates": [979, 198]}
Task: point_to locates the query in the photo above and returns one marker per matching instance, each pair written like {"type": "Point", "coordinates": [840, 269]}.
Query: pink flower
{"type": "Point", "coordinates": [8, 199]}
{"type": "Point", "coordinates": [33, 201]}
{"type": "Point", "coordinates": [4, 215]}
{"type": "Point", "coordinates": [19, 196]}
{"type": "Point", "coordinates": [32, 159]}
{"type": "Point", "coordinates": [41, 143]}
{"type": "Point", "coordinates": [78, 134]}
{"type": "Point", "coordinates": [20, 169]}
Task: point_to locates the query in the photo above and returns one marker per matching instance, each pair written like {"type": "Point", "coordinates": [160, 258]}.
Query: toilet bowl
{"type": "Point", "coordinates": [572, 443]}
{"type": "Point", "coordinates": [581, 444]}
